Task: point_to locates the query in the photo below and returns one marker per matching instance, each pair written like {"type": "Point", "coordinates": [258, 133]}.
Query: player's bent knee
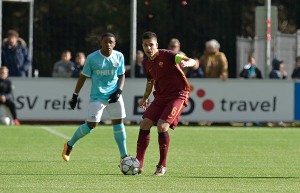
{"type": "Point", "coordinates": [117, 121]}
{"type": "Point", "coordinates": [146, 124]}
{"type": "Point", "coordinates": [162, 126]}
{"type": "Point", "coordinates": [92, 125]}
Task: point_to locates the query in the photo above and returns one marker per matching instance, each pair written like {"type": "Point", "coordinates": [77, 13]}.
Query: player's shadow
{"type": "Point", "coordinates": [56, 174]}
{"type": "Point", "coordinates": [238, 177]}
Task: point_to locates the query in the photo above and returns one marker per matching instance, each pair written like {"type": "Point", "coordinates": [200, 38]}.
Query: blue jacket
{"type": "Point", "coordinates": [16, 59]}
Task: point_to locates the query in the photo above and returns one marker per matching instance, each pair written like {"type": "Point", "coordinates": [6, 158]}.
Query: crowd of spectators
{"type": "Point", "coordinates": [211, 64]}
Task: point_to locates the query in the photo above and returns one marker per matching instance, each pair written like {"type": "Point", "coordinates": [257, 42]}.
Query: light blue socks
{"type": "Point", "coordinates": [120, 137]}
{"type": "Point", "coordinates": [79, 133]}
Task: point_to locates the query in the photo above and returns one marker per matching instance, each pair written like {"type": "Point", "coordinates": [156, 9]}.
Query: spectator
{"type": "Point", "coordinates": [250, 70]}
{"type": "Point", "coordinates": [6, 93]}
{"type": "Point", "coordinates": [64, 67]}
{"type": "Point", "coordinates": [79, 63]}
{"type": "Point", "coordinates": [174, 44]}
{"type": "Point", "coordinates": [196, 71]}
{"type": "Point", "coordinates": [139, 69]}
{"type": "Point", "coordinates": [277, 71]}
{"type": "Point", "coordinates": [296, 71]}
{"type": "Point", "coordinates": [213, 62]}
{"type": "Point", "coordinates": [15, 55]}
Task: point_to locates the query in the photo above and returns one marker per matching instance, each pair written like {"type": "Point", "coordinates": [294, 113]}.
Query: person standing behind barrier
{"type": "Point", "coordinates": [64, 67]}
{"type": "Point", "coordinates": [15, 55]}
{"type": "Point", "coordinates": [6, 93]}
{"type": "Point", "coordinates": [277, 71]}
{"type": "Point", "coordinates": [139, 69]}
{"type": "Point", "coordinates": [174, 44]}
{"type": "Point", "coordinates": [213, 62]}
{"type": "Point", "coordinates": [296, 71]}
{"type": "Point", "coordinates": [250, 70]}
{"type": "Point", "coordinates": [79, 63]}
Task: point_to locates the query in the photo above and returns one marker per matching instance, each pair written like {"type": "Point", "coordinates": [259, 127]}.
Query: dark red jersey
{"type": "Point", "coordinates": [170, 80]}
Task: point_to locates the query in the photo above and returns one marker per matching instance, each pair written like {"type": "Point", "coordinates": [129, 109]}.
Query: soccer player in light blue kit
{"type": "Point", "coordinates": [106, 69]}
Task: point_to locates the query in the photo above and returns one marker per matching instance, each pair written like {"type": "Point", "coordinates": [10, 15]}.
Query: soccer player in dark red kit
{"type": "Point", "coordinates": [171, 92]}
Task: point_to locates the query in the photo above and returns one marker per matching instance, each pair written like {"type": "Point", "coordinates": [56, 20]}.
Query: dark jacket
{"type": "Point", "coordinates": [139, 71]}
{"type": "Point", "coordinates": [6, 89]}
{"type": "Point", "coordinates": [296, 73]}
{"type": "Point", "coordinates": [16, 59]}
{"type": "Point", "coordinates": [245, 72]}
{"type": "Point", "coordinates": [275, 72]}
{"type": "Point", "coordinates": [77, 70]}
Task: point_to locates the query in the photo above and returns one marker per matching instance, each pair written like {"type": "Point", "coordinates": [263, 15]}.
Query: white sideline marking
{"type": "Point", "coordinates": [55, 132]}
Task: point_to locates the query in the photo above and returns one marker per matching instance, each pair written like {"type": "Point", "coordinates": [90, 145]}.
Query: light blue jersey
{"type": "Point", "coordinates": [104, 73]}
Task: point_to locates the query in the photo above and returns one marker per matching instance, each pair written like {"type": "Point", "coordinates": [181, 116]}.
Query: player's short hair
{"type": "Point", "coordinates": [149, 35]}
{"type": "Point", "coordinates": [108, 34]}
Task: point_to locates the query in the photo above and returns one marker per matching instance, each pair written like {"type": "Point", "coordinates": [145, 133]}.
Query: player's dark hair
{"type": "Point", "coordinates": [149, 35]}
{"type": "Point", "coordinates": [108, 34]}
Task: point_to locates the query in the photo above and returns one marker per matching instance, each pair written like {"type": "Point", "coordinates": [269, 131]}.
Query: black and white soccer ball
{"type": "Point", "coordinates": [130, 166]}
{"type": "Point", "coordinates": [5, 121]}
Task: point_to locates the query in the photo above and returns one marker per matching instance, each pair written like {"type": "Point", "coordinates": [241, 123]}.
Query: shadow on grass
{"type": "Point", "coordinates": [238, 177]}
{"type": "Point", "coordinates": [26, 174]}
{"type": "Point", "coordinates": [190, 177]}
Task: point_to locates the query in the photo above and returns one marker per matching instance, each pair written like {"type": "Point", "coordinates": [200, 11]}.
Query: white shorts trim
{"type": "Point", "coordinates": [115, 110]}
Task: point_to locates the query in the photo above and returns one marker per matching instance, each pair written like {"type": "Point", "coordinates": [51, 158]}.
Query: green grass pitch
{"type": "Point", "coordinates": [201, 159]}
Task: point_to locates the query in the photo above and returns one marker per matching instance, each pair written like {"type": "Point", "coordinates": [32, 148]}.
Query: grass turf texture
{"type": "Point", "coordinates": [201, 159]}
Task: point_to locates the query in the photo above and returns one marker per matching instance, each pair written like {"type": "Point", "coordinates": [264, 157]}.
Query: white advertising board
{"type": "Point", "coordinates": [46, 99]}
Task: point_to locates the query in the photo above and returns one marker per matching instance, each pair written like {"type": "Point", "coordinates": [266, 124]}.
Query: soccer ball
{"type": "Point", "coordinates": [5, 120]}
{"type": "Point", "coordinates": [130, 166]}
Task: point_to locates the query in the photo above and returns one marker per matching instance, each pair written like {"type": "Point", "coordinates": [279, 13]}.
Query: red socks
{"type": "Point", "coordinates": [142, 144]}
{"type": "Point", "coordinates": [163, 142]}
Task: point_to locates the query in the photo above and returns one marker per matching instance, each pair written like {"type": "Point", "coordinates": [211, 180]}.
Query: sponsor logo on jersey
{"type": "Point", "coordinates": [116, 64]}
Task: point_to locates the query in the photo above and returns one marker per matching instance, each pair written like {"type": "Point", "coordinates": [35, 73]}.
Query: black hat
{"type": "Point", "coordinates": [276, 63]}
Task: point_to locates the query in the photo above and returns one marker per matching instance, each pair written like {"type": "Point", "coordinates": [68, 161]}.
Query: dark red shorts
{"type": "Point", "coordinates": [167, 110]}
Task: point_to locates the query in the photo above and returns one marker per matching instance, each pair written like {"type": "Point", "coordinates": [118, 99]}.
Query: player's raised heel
{"type": "Point", "coordinates": [66, 152]}
{"type": "Point", "coordinates": [160, 170]}
{"type": "Point", "coordinates": [140, 171]}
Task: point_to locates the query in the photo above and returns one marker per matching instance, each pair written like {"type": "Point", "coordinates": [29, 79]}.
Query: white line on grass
{"type": "Point", "coordinates": [55, 132]}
